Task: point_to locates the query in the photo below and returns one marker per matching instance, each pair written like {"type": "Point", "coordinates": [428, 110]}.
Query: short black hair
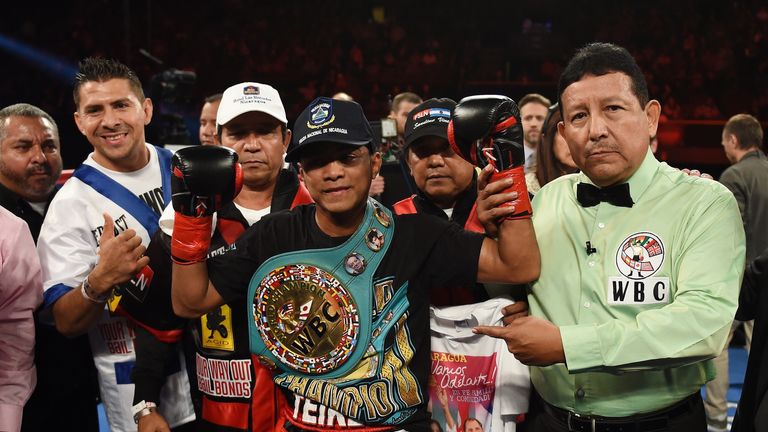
{"type": "Point", "coordinates": [213, 98]}
{"type": "Point", "coordinates": [25, 110]}
{"type": "Point", "coordinates": [601, 58]}
{"type": "Point", "coordinates": [101, 70]}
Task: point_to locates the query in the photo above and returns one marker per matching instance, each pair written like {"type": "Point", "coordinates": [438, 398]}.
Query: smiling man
{"type": "Point", "coordinates": [641, 270]}
{"type": "Point", "coordinates": [348, 344]}
{"type": "Point", "coordinates": [91, 244]}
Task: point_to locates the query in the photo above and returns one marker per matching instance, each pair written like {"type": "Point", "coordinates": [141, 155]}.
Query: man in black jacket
{"type": "Point", "coordinates": [447, 183]}
{"type": "Point", "coordinates": [747, 178]}
{"type": "Point", "coordinates": [447, 186]}
{"type": "Point", "coordinates": [752, 412]}
{"type": "Point", "coordinates": [30, 162]}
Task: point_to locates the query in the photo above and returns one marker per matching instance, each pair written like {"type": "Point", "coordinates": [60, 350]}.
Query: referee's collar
{"type": "Point", "coordinates": [639, 181]}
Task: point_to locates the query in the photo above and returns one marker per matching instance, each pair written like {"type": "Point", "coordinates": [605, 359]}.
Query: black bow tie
{"type": "Point", "coordinates": [590, 195]}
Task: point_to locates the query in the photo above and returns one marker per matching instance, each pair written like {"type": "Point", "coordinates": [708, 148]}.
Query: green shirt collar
{"type": "Point", "coordinates": [639, 181]}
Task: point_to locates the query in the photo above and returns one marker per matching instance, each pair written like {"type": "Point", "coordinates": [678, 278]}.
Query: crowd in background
{"type": "Point", "coordinates": [710, 67]}
{"type": "Point", "coordinates": [702, 61]}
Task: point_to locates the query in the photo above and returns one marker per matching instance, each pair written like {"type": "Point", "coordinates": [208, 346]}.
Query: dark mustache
{"type": "Point", "coordinates": [601, 148]}
{"type": "Point", "coordinates": [40, 169]}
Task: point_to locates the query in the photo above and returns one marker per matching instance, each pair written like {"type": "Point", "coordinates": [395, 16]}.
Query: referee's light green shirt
{"type": "Point", "coordinates": [641, 316]}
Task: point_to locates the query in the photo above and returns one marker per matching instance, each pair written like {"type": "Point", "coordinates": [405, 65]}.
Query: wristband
{"type": "Point", "coordinates": [522, 204]}
{"type": "Point", "coordinates": [90, 294]}
{"type": "Point", "coordinates": [142, 409]}
{"type": "Point", "coordinates": [191, 238]}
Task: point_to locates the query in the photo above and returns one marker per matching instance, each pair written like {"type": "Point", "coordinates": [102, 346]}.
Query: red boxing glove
{"type": "Point", "coordinates": [487, 130]}
{"type": "Point", "coordinates": [203, 180]}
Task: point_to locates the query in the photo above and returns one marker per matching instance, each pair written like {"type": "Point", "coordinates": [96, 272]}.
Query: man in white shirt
{"type": "Point", "coordinates": [109, 208]}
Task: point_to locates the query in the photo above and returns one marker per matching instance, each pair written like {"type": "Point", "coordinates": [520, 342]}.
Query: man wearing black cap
{"type": "Point", "coordinates": [447, 183]}
{"type": "Point", "coordinates": [443, 177]}
{"type": "Point", "coordinates": [348, 345]}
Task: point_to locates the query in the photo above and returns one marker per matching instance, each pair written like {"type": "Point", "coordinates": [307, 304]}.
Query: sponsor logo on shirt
{"type": "Point", "coordinates": [154, 199]}
{"type": "Point", "coordinates": [638, 258]}
{"type": "Point", "coordinates": [217, 329]}
{"type": "Point", "coordinates": [117, 336]}
{"type": "Point", "coordinates": [138, 286]}
{"type": "Point", "coordinates": [121, 224]}
{"type": "Point", "coordinates": [224, 378]}
{"type": "Point", "coordinates": [308, 412]}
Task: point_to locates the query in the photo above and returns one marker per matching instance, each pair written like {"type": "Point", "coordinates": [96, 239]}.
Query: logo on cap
{"type": "Point", "coordinates": [433, 112]}
{"type": "Point", "coordinates": [250, 90]}
{"type": "Point", "coordinates": [321, 114]}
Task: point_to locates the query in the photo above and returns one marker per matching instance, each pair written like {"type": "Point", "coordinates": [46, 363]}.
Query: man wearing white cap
{"type": "Point", "coordinates": [251, 122]}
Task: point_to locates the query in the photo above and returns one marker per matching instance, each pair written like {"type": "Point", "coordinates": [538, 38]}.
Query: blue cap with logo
{"type": "Point", "coordinates": [330, 120]}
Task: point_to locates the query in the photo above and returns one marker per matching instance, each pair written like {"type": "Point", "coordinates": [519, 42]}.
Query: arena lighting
{"type": "Point", "coordinates": [60, 69]}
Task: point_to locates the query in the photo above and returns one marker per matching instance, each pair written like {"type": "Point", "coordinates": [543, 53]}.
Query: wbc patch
{"type": "Point", "coordinates": [638, 258]}
{"type": "Point", "coordinates": [307, 318]}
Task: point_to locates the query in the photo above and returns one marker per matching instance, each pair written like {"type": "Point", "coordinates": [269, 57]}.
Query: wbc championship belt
{"type": "Point", "coordinates": [313, 309]}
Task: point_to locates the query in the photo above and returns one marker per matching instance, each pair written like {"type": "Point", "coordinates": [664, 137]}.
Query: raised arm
{"type": "Point", "coordinates": [487, 131]}
{"type": "Point", "coordinates": [204, 179]}
{"type": "Point", "coordinates": [514, 256]}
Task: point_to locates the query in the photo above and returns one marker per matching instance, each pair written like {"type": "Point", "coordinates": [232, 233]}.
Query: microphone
{"type": "Point", "coordinates": [590, 250]}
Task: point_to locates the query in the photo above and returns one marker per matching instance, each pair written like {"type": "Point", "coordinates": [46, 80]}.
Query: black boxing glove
{"type": "Point", "coordinates": [203, 180]}
{"type": "Point", "coordinates": [487, 130]}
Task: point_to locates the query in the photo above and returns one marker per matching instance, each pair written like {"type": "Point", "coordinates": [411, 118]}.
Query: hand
{"type": "Point", "coordinates": [377, 186]}
{"type": "Point", "coordinates": [514, 311]}
{"type": "Point", "coordinates": [487, 130]}
{"type": "Point", "coordinates": [490, 196]}
{"type": "Point", "coordinates": [533, 341]}
{"type": "Point", "coordinates": [696, 173]}
{"type": "Point", "coordinates": [205, 178]}
{"type": "Point", "coordinates": [120, 258]}
{"type": "Point", "coordinates": [442, 397]}
{"type": "Point", "coordinates": [153, 422]}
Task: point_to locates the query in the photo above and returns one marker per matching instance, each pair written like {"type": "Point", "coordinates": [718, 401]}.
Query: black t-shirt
{"type": "Point", "coordinates": [425, 252]}
{"type": "Point", "coordinates": [216, 346]}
